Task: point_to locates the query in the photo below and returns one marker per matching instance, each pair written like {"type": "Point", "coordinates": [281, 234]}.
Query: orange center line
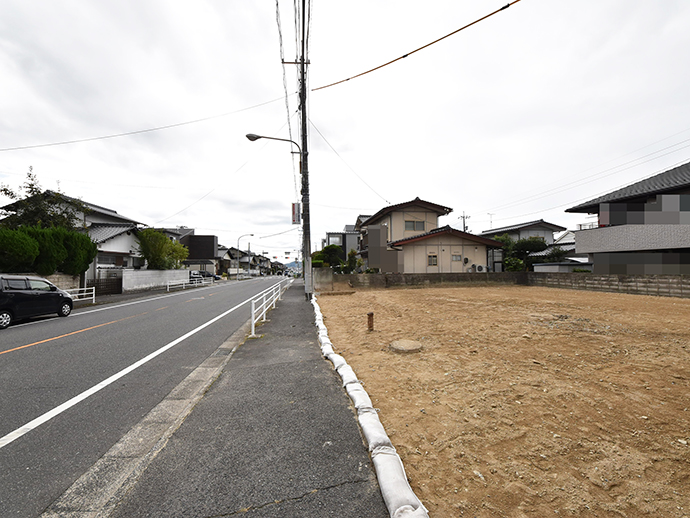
{"type": "Point", "coordinates": [69, 334]}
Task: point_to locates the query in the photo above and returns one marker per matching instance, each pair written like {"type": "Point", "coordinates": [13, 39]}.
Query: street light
{"type": "Point", "coordinates": [238, 254]}
{"type": "Point", "coordinates": [306, 233]}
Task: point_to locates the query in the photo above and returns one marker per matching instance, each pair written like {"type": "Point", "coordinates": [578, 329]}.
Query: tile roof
{"type": "Point", "coordinates": [439, 209]}
{"type": "Point", "coordinates": [539, 222]}
{"type": "Point", "coordinates": [668, 181]}
{"type": "Point", "coordinates": [447, 230]}
{"type": "Point", "coordinates": [566, 247]}
{"type": "Point", "coordinates": [101, 232]}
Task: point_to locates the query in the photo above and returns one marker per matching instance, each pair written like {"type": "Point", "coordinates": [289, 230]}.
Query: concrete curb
{"type": "Point", "coordinates": [390, 472]}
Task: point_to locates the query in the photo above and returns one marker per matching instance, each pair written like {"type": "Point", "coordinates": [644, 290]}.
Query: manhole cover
{"type": "Point", "coordinates": [405, 346]}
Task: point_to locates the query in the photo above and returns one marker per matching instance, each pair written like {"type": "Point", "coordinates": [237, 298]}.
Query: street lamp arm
{"type": "Point", "coordinates": [253, 137]}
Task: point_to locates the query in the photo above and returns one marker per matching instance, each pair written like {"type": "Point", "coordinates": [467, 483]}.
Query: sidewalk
{"type": "Point", "coordinates": [274, 436]}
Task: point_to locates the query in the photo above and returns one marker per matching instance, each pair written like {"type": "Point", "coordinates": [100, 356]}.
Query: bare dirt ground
{"type": "Point", "coordinates": [528, 402]}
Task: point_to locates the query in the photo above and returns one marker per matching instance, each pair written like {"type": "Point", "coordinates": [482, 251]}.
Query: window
{"type": "Point", "coordinates": [335, 240]}
{"type": "Point", "coordinates": [39, 285]}
{"type": "Point", "coordinates": [457, 257]}
{"type": "Point", "coordinates": [15, 284]}
{"type": "Point", "coordinates": [106, 259]}
{"type": "Point", "coordinates": [432, 260]}
{"type": "Point", "coordinates": [414, 225]}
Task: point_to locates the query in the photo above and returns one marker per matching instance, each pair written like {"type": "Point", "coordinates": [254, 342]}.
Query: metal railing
{"type": "Point", "coordinates": [267, 300]}
{"type": "Point", "coordinates": [188, 283]}
{"type": "Point", "coordinates": [83, 294]}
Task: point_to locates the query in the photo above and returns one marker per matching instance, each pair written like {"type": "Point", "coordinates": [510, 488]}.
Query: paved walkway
{"type": "Point", "coordinates": [274, 436]}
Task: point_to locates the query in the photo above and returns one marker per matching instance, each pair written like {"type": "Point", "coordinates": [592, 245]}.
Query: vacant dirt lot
{"type": "Point", "coordinates": [528, 402]}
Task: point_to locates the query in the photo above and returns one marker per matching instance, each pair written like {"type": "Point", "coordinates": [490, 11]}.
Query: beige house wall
{"type": "Point", "coordinates": [415, 255]}
{"type": "Point", "coordinates": [397, 223]}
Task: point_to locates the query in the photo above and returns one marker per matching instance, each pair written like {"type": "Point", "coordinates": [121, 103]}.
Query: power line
{"type": "Point", "coordinates": [285, 88]}
{"type": "Point", "coordinates": [420, 48]}
{"type": "Point", "coordinates": [348, 166]}
{"type": "Point", "coordinates": [136, 132]}
{"type": "Point", "coordinates": [592, 197]}
{"type": "Point", "coordinates": [601, 174]}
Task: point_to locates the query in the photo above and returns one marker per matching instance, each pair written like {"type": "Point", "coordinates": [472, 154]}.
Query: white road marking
{"type": "Point", "coordinates": [16, 434]}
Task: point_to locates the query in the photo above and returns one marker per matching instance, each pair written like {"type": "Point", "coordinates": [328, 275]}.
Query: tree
{"type": "Point", "coordinates": [17, 251]}
{"type": "Point", "coordinates": [330, 255]}
{"type": "Point", "coordinates": [555, 255]}
{"type": "Point", "coordinates": [52, 252]}
{"type": "Point", "coordinates": [508, 244]}
{"type": "Point", "coordinates": [352, 262]}
{"type": "Point", "coordinates": [159, 251]}
{"type": "Point", "coordinates": [513, 264]}
{"type": "Point", "coordinates": [524, 247]}
{"type": "Point", "coordinates": [81, 251]}
{"type": "Point", "coordinates": [515, 253]}
{"type": "Point", "coordinates": [34, 207]}
{"type": "Point", "coordinates": [178, 253]}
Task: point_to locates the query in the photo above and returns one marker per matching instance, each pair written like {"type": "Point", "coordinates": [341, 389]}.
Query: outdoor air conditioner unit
{"type": "Point", "coordinates": [481, 268]}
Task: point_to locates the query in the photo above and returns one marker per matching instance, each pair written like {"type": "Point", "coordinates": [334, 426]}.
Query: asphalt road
{"type": "Point", "coordinates": [47, 363]}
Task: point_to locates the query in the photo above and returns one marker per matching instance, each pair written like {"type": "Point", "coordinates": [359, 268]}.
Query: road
{"type": "Point", "coordinates": [56, 420]}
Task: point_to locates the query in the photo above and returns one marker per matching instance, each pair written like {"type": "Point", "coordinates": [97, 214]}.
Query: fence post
{"type": "Point", "coordinates": [253, 311]}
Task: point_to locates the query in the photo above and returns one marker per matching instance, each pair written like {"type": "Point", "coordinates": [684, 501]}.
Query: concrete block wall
{"type": "Point", "coordinates": [62, 280]}
{"type": "Point", "coordinates": [658, 285]}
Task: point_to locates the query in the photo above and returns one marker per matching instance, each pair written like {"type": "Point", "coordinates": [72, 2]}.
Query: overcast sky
{"type": "Point", "coordinates": [545, 105]}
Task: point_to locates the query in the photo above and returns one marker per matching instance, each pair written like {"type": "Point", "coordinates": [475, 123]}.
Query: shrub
{"type": "Point", "coordinates": [513, 264]}
{"type": "Point", "coordinates": [80, 252]}
{"type": "Point", "coordinates": [52, 253]}
{"type": "Point", "coordinates": [17, 251]}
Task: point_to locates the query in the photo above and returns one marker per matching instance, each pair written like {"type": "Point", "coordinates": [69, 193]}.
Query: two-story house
{"type": "Point", "coordinates": [406, 238]}
{"type": "Point", "coordinates": [644, 228]}
{"type": "Point", "coordinates": [393, 223]}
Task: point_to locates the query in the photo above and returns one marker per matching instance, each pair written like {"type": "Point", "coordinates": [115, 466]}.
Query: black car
{"type": "Point", "coordinates": [206, 274]}
{"type": "Point", "coordinates": [23, 297]}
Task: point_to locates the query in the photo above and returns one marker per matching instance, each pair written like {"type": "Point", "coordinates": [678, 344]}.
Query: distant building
{"type": "Point", "coordinates": [644, 228]}
{"type": "Point", "coordinates": [533, 229]}
{"type": "Point", "coordinates": [347, 240]}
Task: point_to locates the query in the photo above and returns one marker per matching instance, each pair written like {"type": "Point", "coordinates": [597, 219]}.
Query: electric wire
{"type": "Point", "coordinates": [344, 162]}
{"type": "Point", "coordinates": [574, 203]}
{"type": "Point", "coordinates": [285, 89]}
{"type": "Point", "coordinates": [136, 132]}
{"type": "Point", "coordinates": [601, 174]}
{"type": "Point", "coordinates": [420, 48]}
{"type": "Point", "coordinates": [279, 234]}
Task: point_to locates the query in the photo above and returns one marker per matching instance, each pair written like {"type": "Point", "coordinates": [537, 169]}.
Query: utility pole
{"type": "Point", "coordinates": [306, 225]}
{"type": "Point", "coordinates": [464, 221]}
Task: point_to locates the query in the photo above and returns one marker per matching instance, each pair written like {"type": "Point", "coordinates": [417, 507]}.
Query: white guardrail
{"type": "Point", "coordinates": [267, 300]}
{"type": "Point", "coordinates": [83, 294]}
{"type": "Point", "coordinates": [187, 283]}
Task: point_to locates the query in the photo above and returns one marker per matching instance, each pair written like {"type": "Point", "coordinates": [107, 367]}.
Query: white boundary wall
{"type": "Point", "coordinates": [136, 280]}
